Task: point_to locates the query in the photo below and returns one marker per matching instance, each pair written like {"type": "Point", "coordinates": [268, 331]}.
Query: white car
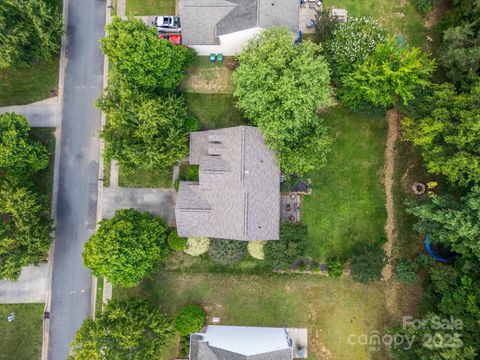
{"type": "Point", "coordinates": [167, 24]}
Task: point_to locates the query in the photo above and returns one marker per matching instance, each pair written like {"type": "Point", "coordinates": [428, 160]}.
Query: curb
{"type": "Point", "coordinates": [56, 168]}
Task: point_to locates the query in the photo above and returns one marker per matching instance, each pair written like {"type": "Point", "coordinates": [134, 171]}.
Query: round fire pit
{"type": "Point", "coordinates": [418, 188]}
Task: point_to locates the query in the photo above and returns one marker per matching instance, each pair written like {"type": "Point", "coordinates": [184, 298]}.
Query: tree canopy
{"type": "Point", "coordinates": [390, 75]}
{"type": "Point", "coordinates": [25, 228]}
{"type": "Point", "coordinates": [448, 134]}
{"type": "Point", "coordinates": [144, 131]}
{"type": "Point", "coordinates": [30, 31]}
{"type": "Point", "coordinates": [280, 87]}
{"type": "Point", "coordinates": [124, 330]}
{"type": "Point", "coordinates": [18, 154]}
{"type": "Point", "coordinates": [127, 247]}
{"type": "Point", "coordinates": [450, 221]}
{"type": "Point", "coordinates": [141, 59]}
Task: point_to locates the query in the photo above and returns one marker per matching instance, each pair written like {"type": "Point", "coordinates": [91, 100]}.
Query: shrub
{"type": "Point", "coordinates": [176, 242]}
{"type": "Point", "coordinates": [423, 261]}
{"type": "Point", "coordinates": [367, 263]}
{"type": "Point", "coordinates": [197, 246]}
{"type": "Point", "coordinates": [192, 173]}
{"type": "Point", "coordinates": [290, 248]}
{"type": "Point", "coordinates": [423, 6]}
{"type": "Point", "coordinates": [226, 252]}
{"type": "Point", "coordinates": [406, 271]}
{"type": "Point", "coordinates": [189, 319]}
{"type": "Point", "coordinates": [256, 249]}
{"type": "Point", "coordinates": [335, 267]}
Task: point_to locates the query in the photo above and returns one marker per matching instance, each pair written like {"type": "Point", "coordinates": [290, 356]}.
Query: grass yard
{"type": "Point", "coordinates": [205, 77]}
{"type": "Point", "coordinates": [347, 205]}
{"type": "Point", "coordinates": [214, 110]}
{"type": "Point", "coordinates": [21, 339]}
{"type": "Point", "coordinates": [399, 16]}
{"type": "Point", "coordinates": [28, 84]}
{"type": "Point", "coordinates": [144, 178]}
{"type": "Point", "coordinates": [43, 181]}
{"type": "Point", "coordinates": [332, 309]}
{"type": "Point", "coordinates": [150, 7]}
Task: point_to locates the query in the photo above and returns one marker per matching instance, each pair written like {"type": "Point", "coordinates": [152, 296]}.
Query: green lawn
{"type": "Point", "coordinates": [346, 206]}
{"type": "Point", "coordinates": [150, 7]}
{"type": "Point", "coordinates": [43, 181]}
{"type": "Point", "coordinates": [28, 84]}
{"type": "Point", "coordinates": [144, 178]}
{"type": "Point", "coordinates": [21, 339]}
{"type": "Point", "coordinates": [214, 110]}
{"type": "Point", "coordinates": [331, 309]}
{"type": "Point", "coordinates": [400, 17]}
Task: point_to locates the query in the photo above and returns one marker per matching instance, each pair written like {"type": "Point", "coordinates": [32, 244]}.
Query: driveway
{"type": "Point", "coordinates": [160, 202]}
{"type": "Point", "coordinates": [39, 114]}
{"type": "Point", "coordinates": [31, 286]}
{"type": "Point", "coordinates": [78, 173]}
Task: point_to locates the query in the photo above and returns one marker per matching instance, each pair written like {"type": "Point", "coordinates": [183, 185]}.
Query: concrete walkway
{"type": "Point", "coordinates": [121, 7]}
{"type": "Point", "coordinates": [39, 114]}
{"type": "Point", "coordinates": [31, 287]}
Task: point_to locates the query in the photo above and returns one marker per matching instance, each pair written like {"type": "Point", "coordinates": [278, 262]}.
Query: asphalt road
{"type": "Point", "coordinates": [78, 173]}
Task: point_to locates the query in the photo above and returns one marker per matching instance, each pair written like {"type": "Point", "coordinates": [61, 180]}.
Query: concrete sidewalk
{"type": "Point", "coordinates": [39, 114]}
{"type": "Point", "coordinates": [31, 287]}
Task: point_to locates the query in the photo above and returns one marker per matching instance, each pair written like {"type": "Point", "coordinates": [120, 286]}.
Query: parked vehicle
{"type": "Point", "coordinates": [167, 24]}
{"type": "Point", "coordinates": [173, 38]}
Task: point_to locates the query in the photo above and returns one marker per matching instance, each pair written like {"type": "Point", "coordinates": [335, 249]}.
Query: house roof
{"type": "Point", "coordinates": [240, 343]}
{"type": "Point", "coordinates": [204, 20]}
{"type": "Point", "coordinates": [238, 193]}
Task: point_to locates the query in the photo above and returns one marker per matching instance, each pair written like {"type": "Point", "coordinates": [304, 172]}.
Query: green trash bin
{"type": "Point", "coordinates": [213, 58]}
{"type": "Point", "coordinates": [219, 57]}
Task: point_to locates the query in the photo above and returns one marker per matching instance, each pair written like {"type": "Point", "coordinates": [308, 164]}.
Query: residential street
{"type": "Point", "coordinates": [78, 173]}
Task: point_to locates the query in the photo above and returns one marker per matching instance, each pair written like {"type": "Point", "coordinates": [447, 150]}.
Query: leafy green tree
{"type": "Point", "coordinates": [290, 248]}
{"type": "Point", "coordinates": [142, 60]}
{"type": "Point", "coordinates": [280, 87]}
{"type": "Point", "coordinates": [388, 76]}
{"type": "Point", "coordinates": [18, 154]}
{"type": "Point", "coordinates": [450, 221]}
{"type": "Point", "coordinates": [189, 319]}
{"type": "Point", "coordinates": [127, 247]}
{"type": "Point", "coordinates": [25, 228]}
{"type": "Point", "coordinates": [448, 134]}
{"type": "Point", "coordinates": [367, 263]}
{"type": "Point", "coordinates": [459, 54]}
{"type": "Point", "coordinates": [30, 31]}
{"type": "Point", "coordinates": [226, 252]}
{"type": "Point", "coordinates": [142, 131]}
{"type": "Point", "coordinates": [352, 42]}
{"type": "Point", "coordinates": [124, 330]}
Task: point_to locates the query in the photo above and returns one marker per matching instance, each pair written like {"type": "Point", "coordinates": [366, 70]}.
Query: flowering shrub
{"type": "Point", "coordinates": [352, 42]}
{"type": "Point", "coordinates": [197, 246]}
{"type": "Point", "coordinates": [255, 249]}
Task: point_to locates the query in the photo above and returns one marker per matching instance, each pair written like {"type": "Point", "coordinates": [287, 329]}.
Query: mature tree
{"type": "Point", "coordinates": [142, 131]}
{"type": "Point", "coordinates": [30, 30]}
{"type": "Point", "coordinates": [18, 154]}
{"type": "Point", "coordinates": [226, 252]}
{"type": "Point", "coordinates": [352, 42]}
{"type": "Point", "coordinates": [124, 330]}
{"type": "Point", "coordinates": [449, 134]}
{"type": "Point", "coordinates": [25, 228]}
{"type": "Point", "coordinates": [290, 248]}
{"type": "Point", "coordinates": [127, 247]}
{"type": "Point", "coordinates": [189, 319]}
{"type": "Point", "coordinates": [367, 263]}
{"type": "Point", "coordinates": [141, 59]}
{"type": "Point", "coordinates": [451, 222]}
{"type": "Point", "coordinates": [280, 87]}
{"type": "Point", "coordinates": [391, 74]}
{"type": "Point", "coordinates": [459, 54]}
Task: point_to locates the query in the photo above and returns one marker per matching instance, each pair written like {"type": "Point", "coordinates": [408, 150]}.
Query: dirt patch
{"type": "Point", "coordinates": [393, 119]}
{"type": "Point", "coordinates": [402, 300]}
{"type": "Point", "coordinates": [209, 80]}
{"type": "Point", "coordinates": [435, 15]}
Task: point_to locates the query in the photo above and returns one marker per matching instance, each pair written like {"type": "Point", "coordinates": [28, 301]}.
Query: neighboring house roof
{"type": "Point", "coordinates": [240, 343]}
{"type": "Point", "coordinates": [204, 20]}
{"type": "Point", "coordinates": [238, 193]}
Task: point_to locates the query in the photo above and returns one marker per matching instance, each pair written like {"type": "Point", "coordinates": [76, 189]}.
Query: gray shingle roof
{"type": "Point", "coordinates": [238, 193]}
{"type": "Point", "coordinates": [204, 20]}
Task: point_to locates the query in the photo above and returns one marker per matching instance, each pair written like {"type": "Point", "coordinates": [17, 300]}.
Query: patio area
{"type": "Point", "coordinates": [290, 207]}
{"type": "Point", "coordinates": [307, 12]}
{"type": "Point", "coordinates": [299, 338]}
